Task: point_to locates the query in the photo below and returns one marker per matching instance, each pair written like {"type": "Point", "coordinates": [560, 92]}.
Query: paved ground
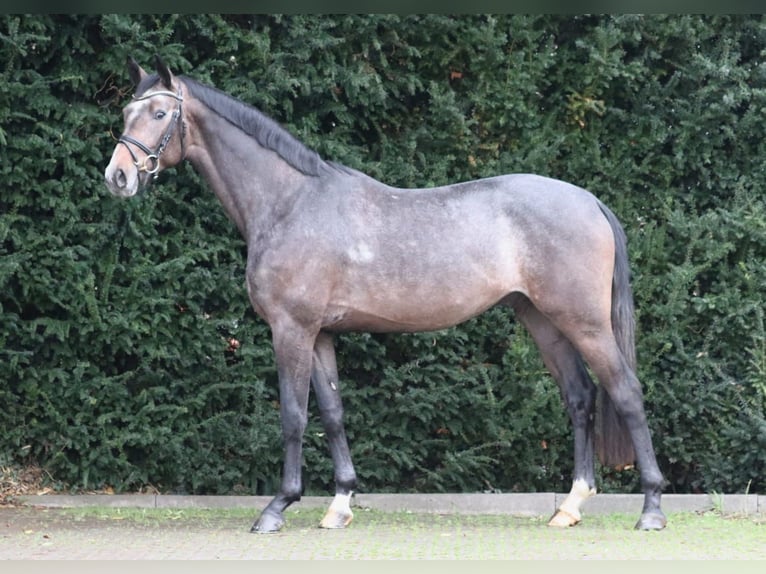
{"type": "Point", "coordinates": [148, 527]}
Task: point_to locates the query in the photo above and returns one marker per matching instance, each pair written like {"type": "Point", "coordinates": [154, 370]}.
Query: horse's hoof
{"type": "Point", "coordinates": [336, 520]}
{"type": "Point", "coordinates": [563, 519]}
{"type": "Point", "coordinates": [268, 523]}
{"type": "Point", "coordinates": [651, 521]}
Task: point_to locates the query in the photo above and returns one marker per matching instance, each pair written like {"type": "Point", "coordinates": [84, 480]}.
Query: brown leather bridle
{"type": "Point", "coordinates": [151, 163]}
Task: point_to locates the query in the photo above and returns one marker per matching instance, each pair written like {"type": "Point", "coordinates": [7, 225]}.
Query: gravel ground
{"type": "Point", "coordinates": [33, 533]}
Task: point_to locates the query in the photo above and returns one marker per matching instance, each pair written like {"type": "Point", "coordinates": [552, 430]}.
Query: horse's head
{"type": "Point", "coordinates": [153, 137]}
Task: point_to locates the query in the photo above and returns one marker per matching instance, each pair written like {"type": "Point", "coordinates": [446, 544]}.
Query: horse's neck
{"type": "Point", "coordinates": [252, 183]}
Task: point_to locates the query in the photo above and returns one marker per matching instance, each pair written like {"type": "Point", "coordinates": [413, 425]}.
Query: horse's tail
{"type": "Point", "coordinates": [612, 438]}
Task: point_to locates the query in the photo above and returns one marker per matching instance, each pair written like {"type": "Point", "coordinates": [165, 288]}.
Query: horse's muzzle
{"type": "Point", "coordinates": [120, 182]}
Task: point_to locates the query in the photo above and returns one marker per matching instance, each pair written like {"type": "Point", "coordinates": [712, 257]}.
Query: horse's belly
{"type": "Point", "coordinates": [410, 312]}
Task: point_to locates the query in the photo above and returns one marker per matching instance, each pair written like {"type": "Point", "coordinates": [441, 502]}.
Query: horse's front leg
{"type": "Point", "coordinates": [324, 379]}
{"type": "Point", "coordinates": [293, 347]}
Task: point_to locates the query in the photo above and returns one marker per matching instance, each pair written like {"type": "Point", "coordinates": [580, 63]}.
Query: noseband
{"type": "Point", "coordinates": [151, 163]}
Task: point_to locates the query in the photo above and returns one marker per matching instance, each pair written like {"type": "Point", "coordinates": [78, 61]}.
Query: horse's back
{"type": "Point", "coordinates": [519, 195]}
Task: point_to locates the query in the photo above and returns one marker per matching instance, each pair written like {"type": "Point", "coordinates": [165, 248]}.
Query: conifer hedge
{"type": "Point", "coordinates": [129, 356]}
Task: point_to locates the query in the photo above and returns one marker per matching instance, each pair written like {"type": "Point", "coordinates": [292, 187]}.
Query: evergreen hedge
{"type": "Point", "coordinates": [129, 356]}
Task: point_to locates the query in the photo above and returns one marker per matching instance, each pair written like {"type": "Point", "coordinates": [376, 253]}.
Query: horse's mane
{"type": "Point", "coordinates": [255, 123]}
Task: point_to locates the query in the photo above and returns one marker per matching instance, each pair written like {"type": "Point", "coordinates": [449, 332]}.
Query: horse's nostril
{"type": "Point", "coordinates": [120, 179]}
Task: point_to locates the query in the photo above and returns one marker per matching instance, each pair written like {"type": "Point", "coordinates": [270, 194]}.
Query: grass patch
{"type": "Point", "coordinates": [309, 517]}
{"type": "Point", "coordinates": [160, 516]}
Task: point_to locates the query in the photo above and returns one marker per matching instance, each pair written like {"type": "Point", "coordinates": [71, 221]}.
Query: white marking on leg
{"type": "Point", "coordinates": [341, 504]}
{"type": "Point", "coordinates": [580, 493]}
{"type": "Point", "coordinates": [339, 514]}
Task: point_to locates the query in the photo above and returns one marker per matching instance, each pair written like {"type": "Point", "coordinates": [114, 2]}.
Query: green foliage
{"type": "Point", "coordinates": [129, 355]}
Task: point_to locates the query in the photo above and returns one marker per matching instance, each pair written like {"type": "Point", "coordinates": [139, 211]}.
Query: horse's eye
{"type": "Point", "coordinates": [159, 115]}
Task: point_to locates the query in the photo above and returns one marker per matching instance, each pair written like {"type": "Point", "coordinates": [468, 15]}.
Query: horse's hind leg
{"type": "Point", "coordinates": [579, 395]}
{"type": "Point", "coordinates": [623, 388]}
{"type": "Point", "coordinates": [324, 379]}
{"type": "Point", "coordinates": [599, 348]}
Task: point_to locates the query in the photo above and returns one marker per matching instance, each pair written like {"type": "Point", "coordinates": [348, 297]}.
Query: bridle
{"type": "Point", "coordinates": [151, 163]}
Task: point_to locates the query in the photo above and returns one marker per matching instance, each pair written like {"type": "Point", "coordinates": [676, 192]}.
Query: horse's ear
{"type": "Point", "coordinates": [136, 72]}
{"type": "Point", "coordinates": [164, 72]}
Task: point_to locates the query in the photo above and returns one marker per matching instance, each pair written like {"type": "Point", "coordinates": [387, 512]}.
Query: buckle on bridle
{"type": "Point", "coordinates": [154, 159]}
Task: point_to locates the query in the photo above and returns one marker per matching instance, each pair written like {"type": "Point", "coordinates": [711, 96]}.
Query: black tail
{"type": "Point", "coordinates": [612, 438]}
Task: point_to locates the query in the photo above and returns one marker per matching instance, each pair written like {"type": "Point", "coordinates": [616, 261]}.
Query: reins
{"type": "Point", "coordinates": [151, 163]}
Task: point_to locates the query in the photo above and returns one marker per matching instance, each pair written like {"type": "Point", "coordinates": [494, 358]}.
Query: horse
{"type": "Point", "coordinates": [331, 250]}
